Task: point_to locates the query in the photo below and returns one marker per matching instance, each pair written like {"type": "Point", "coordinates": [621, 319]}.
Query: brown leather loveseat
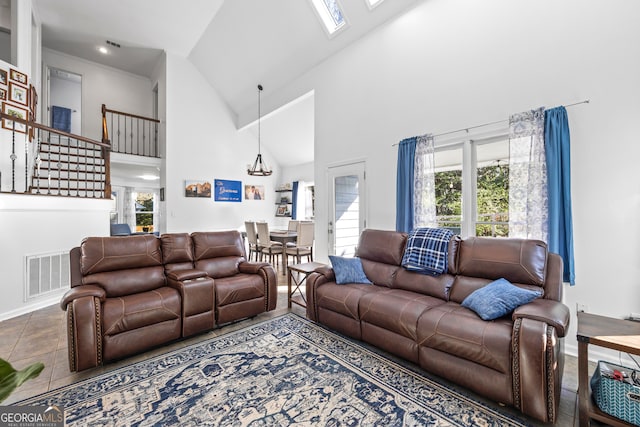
{"type": "Point", "coordinates": [516, 359]}
{"type": "Point", "coordinates": [132, 293]}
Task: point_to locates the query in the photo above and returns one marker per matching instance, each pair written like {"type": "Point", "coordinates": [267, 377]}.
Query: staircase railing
{"type": "Point", "coordinates": [130, 133]}
{"type": "Point", "coordinates": [55, 162]}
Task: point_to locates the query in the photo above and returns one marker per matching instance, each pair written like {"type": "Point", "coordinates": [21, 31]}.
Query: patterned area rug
{"type": "Point", "coordinates": [284, 371]}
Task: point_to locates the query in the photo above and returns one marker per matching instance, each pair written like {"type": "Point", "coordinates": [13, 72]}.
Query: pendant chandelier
{"type": "Point", "coordinates": [259, 168]}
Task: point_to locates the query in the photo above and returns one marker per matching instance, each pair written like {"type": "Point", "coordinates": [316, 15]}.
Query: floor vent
{"type": "Point", "coordinates": [46, 273]}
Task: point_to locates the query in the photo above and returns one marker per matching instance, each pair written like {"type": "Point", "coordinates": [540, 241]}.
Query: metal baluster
{"type": "Point", "coordinates": [13, 158]}
{"type": "Point", "coordinates": [131, 135]}
{"type": "Point", "coordinates": [77, 167]}
{"type": "Point", "coordinates": [119, 149]}
{"type": "Point", "coordinates": [125, 136]}
{"type": "Point", "coordinates": [26, 162]}
{"type": "Point", "coordinates": [155, 138]}
{"type": "Point", "coordinates": [59, 165]}
{"type": "Point", "coordinates": [144, 139]}
{"type": "Point", "coordinates": [138, 136]}
{"type": "Point", "coordinates": [111, 135]}
{"type": "Point", "coordinates": [93, 173]}
{"type": "Point", "coordinates": [49, 164]}
{"type": "Point", "coordinates": [38, 161]}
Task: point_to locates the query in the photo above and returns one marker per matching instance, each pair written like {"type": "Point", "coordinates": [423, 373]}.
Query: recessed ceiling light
{"type": "Point", "coordinates": [103, 50]}
{"type": "Point", "coordinates": [149, 177]}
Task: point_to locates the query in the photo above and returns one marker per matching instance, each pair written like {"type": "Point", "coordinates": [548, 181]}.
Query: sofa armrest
{"type": "Point", "coordinates": [269, 277]}
{"type": "Point", "coordinates": [182, 275]}
{"type": "Point", "coordinates": [551, 312]}
{"type": "Point", "coordinates": [81, 292]}
{"type": "Point", "coordinates": [314, 280]}
{"type": "Point", "coordinates": [327, 272]}
{"type": "Point", "coordinates": [84, 331]}
{"type": "Point", "coordinates": [249, 267]}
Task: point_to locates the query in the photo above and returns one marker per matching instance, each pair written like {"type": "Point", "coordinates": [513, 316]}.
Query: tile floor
{"type": "Point", "coordinates": [40, 336]}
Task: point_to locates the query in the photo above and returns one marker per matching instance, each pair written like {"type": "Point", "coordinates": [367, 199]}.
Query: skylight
{"type": "Point", "coordinates": [330, 14]}
{"type": "Point", "coordinates": [373, 3]}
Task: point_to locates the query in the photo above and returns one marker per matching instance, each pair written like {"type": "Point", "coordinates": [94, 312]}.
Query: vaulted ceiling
{"type": "Point", "coordinates": [235, 44]}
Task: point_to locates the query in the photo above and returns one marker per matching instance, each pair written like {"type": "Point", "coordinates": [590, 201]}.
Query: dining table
{"type": "Point", "coordinates": [284, 237]}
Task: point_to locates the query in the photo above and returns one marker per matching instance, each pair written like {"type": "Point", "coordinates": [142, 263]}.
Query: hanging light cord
{"type": "Point", "coordinates": [259, 116]}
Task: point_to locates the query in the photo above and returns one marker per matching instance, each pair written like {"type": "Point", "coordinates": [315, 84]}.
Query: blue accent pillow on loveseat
{"type": "Point", "coordinates": [348, 270]}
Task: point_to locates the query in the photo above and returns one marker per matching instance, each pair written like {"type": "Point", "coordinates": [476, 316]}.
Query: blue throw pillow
{"type": "Point", "coordinates": [348, 270]}
{"type": "Point", "coordinates": [498, 298]}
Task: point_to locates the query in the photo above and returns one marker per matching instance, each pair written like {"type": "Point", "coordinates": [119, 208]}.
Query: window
{"type": "Point", "coordinates": [145, 211]}
{"type": "Point", "coordinates": [330, 14]}
{"type": "Point", "coordinates": [309, 201]}
{"type": "Point", "coordinates": [472, 182]}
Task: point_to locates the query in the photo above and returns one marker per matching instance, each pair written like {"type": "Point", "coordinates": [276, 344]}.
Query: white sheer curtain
{"type": "Point", "coordinates": [528, 202]}
{"type": "Point", "coordinates": [424, 196]}
{"type": "Point", "coordinates": [301, 208]}
{"type": "Point", "coordinates": [129, 208]}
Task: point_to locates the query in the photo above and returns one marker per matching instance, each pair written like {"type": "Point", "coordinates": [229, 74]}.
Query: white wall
{"type": "Point", "coordinates": [159, 78]}
{"type": "Point", "coordinates": [202, 143]}
{"type": "Point", "coordinates": [116, 89]}
{"type": "Point", "coordinates": [303, 172]}
{"type": "Point", "coordinates": [450, 64]}
{"type": "Point", "coordinates": [36, 225]}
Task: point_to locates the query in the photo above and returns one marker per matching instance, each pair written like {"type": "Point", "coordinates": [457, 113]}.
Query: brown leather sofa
{"type": "Point", "coordinates": [516, 360]}
{"type": "Point", "coordinates": [133, 293]}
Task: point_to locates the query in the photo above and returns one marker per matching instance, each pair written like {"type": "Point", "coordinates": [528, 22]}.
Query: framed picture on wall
{"type": "Point", "coordinates": [3, 77]}
{"type": "Point", "coordinates": [193, 188]}
{"type": "Point", "coordinates": [227, 190]}
{"type": "Point", "coordinates": [282, 210]}
{"type": "Point", "coordinates": [17, 76]}
{"type": "Point", "coordinates": [18, 94]}
{"type": "Point", "coordinates": [14, 111]}
{"type": "Point", "coordinates": [3, 94]}
{"type": "Point", "coordinates": [253, 192]}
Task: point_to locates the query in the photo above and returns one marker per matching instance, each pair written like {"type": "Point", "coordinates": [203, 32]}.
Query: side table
{"type": "Point", "coordinates": [297, 274]}
{"type": "Point", "coordinates": [616, 334]}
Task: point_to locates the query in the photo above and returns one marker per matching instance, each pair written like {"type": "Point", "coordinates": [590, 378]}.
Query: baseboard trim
{"type": "Point", "coordinates": [51, 299]}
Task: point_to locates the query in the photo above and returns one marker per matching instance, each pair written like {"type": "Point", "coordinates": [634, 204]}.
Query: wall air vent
{"type": "Point", "coordinates": [46, 273]}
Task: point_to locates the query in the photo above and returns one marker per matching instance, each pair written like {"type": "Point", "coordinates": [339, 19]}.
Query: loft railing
{"type": "Point", "coordinates": [48, 161]}
{"type": "Point", "coordinates": [130, 133]}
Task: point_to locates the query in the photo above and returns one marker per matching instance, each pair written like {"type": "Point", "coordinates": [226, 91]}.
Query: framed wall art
{"type": "Point", "coordinates": [194, 188]}
{"type": "Point", "coordinates": [18, 94]}
{"type": "Point", "coordinates": [17, 76]}
{"type": "Point", "coordinates": [282, 210]}
{"type": "Point", "coordinates": [253, 192]}
{"type": "Point", "coordinates": [228, 191]}
{"type": "Point", "coordinates": [14, 111]}
{"type": "Point", "coordinates": [3, 94]}
{"type": "Point", "coordinates": [3, 77]}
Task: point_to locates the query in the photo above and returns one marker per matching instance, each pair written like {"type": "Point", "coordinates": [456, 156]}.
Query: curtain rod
{"type": "Point", "coordinates": [586, 101]}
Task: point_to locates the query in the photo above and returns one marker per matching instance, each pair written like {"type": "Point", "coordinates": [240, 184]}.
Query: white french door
{"type": "Point", "coordinates": [347, 213]}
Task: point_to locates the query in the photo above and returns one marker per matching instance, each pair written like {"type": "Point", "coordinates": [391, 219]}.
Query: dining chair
{"type": "Point", "coordinates": [252, 238]}
{"type": "Point", "coordinates": [293, 226]}
{"type": "Point", "coordinates": [268, 247]}
{"type": "Point", "coordinates": [304, 243]}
